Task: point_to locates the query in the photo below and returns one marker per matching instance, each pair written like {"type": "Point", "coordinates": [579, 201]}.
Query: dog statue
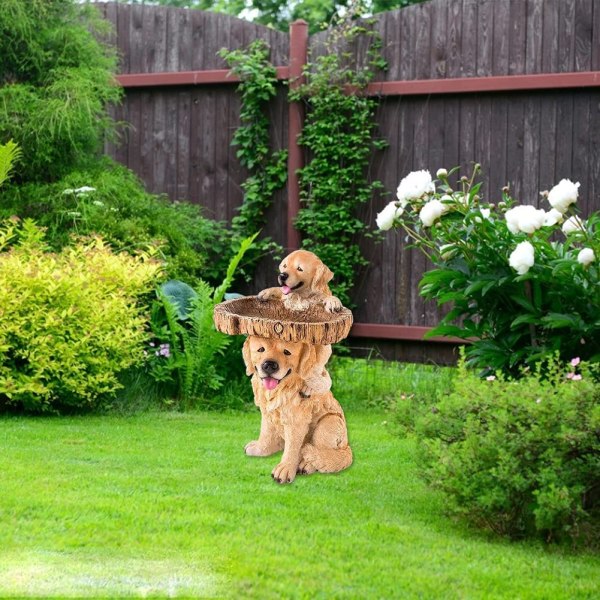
{"type": "Point", "coordinates": [303, 280]}
{"type": "Point", "coordinates": [311, 431]}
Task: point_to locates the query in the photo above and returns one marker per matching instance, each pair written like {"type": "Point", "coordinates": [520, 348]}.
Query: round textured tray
{"type": "Point", "coordinates": [270, 319]}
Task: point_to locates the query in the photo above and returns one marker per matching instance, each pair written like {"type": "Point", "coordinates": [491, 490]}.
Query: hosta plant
{"type": "Point", "coordinates": [186, 350]}
{"type": "Point", "coordinates": [520, 282]}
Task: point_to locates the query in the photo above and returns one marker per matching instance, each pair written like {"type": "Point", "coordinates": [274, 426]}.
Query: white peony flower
{"type": "Point", "coordinates": [522, 258]}
{"type": "Point", "coordinates": [385, 219]}
{"type": "Point", "coordinates": [524, 218]}
{"type": "Point", "coordinates": [573, 224]}
{"type": "Point", "coordinates": [432, 211]}
{"type": "Point", "coordinates": [586, 256]}
{"type": "Point", "coordinates": [415, 185]}
{"type": "Point", "coordinates": [553, 217]}
{"type": "Point", "coordinates": [441, 173]}
{"type": "Point", "coordinates": [563, 194]}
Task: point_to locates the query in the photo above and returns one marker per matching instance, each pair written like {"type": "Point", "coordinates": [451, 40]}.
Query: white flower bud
{"type": "Point", "coordinates": [553, 217]}
{"type": "Point", "coordinates": [586, 256]}
{"type": "Point", "coordinates": [385, 219]}
{"type": "Point", "coordinates": [573, 224]}
{"type": "Point", "coordinates": [522, 258]}
{"type": "Point", "coordinates": [447, 250]}
{"type": "Point", "coordinates": [563, 194]}
{"type": "Point", "coordinates": [431, 212]}
{"type": "Point", "coordinates": [441, 173]}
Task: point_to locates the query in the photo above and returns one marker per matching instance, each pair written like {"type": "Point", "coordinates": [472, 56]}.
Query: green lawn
{"type": "Point", "coordinates": [166, 504]}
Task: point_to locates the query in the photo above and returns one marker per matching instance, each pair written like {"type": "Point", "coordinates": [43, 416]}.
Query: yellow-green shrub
{"type": "Point", "coordinates": [70, 322]}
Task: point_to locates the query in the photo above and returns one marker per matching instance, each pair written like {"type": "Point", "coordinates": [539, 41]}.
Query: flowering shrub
{"type": "Point", "coordinates": [70, 322]}
{"type": "Point", "coordinates": [520, 286]}
{"type": "Point", "coordinates": [520, 457]}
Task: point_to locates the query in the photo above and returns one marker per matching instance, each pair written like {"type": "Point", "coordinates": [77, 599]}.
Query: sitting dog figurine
{"type": "Point", "coordinates": [311, 432]}
{"type": "Point", "coordinates": [303, 278]}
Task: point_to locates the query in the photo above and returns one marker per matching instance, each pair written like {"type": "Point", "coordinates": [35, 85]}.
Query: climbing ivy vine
{"type": "Point", "coordinates": [339, 135]}
{"type": "Point", "coordinates": [267, 168]}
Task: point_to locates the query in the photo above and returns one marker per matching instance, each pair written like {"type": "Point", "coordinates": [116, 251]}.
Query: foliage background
{"type": "Point", "coordinates": [279, 14]}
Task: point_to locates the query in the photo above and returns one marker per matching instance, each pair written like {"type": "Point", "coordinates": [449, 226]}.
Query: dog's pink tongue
{"type": "Point", "coordinates": [286, 289]}
{"type": "Point", "coordinates": [270, 383]}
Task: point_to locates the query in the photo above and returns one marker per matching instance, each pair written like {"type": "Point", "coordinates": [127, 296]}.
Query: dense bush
{"type": "Point", "coordinates": [517, 283]}
{"type": "Point", "coordinates": [110, 200]}
{"type": "Point", "coordinates": [55, 81]}
{"type": "Point", "coordinates": [70, 322]}
{"type": "Point", "coordinates": [521, 457]}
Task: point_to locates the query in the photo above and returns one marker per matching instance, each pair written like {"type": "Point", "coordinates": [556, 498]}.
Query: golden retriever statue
{"type": "Point", "coordinates": [310, 431]}
{"type": "Point", "coordinates": [303, 280]}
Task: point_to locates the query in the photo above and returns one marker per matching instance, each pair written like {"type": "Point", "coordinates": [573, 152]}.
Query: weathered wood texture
{"type": "Point", "coordinates": [271, 319]}
{"type": "Point", "coordinates": [179, 138]}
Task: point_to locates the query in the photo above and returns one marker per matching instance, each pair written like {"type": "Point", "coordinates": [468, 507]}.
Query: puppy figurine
{"type": "Point", "coordinates": [303, 280]}
{"type": "Point", "coordinates": [311, 432]}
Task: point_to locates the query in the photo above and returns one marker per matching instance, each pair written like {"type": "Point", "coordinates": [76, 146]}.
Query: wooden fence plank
{"type": "Point", "coordinates": [485, 38]}
{"type": "Point", "coordinates": [534, 36]}
{"type": "Point", "coordinates": [470, 31]}
{"type": "Point", "coordinates": [439, 40]}
{"type": "Point", "coordinates": [548, 141]}
{"type": "Point", "coordinates": [566, 36]}
{"type": "Point", "coordinates": [454, 17]}
{"type": "Point", "coordinates": [583, 34]}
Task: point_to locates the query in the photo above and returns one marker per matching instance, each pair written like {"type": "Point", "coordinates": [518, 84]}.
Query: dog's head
{"type": "Point", "coordinates": [303, 272]}
{"type": "Point", "coordinates": [275, 361]}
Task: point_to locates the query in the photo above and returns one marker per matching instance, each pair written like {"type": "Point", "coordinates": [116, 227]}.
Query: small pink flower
{"type": "Point", "coordinates": [576, 378]}
{"type": "Point", "coordinates": [490, 378]}
{"type": "Point", "coordinates": [570, 375]}
{"type": "Point", "coordinates": [575, 361]}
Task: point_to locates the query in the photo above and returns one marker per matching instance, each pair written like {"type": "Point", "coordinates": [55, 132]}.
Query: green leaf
{"type": "Point", "coordinates": [524, 319]}
{"type": "Point", "coordinates": [561, 320]}
{"type": "Point", "coordinates": [180, 295]}
{"type": "Point", "coordinates": [447, 330]}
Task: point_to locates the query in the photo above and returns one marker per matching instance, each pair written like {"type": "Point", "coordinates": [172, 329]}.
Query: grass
{"type": "Point", "coordinates": [166, 504]}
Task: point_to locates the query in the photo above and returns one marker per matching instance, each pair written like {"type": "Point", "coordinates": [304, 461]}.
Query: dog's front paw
{"type": "Point", "coordinates": [284, 472]}
{"type": "Point", "coordinates": [268, 294]}
{"type": "Point", "coordinates": [332, 304]}
{"type": "Point", "coordinates": [254, 448]}
{"type": "Point", "coordinates": [307, 391]}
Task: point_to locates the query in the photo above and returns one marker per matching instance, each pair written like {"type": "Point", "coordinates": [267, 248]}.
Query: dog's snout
{"type": "Point", "coordinates": [283, 276]}
{"type": "Point", "coordinates": [270, 366]}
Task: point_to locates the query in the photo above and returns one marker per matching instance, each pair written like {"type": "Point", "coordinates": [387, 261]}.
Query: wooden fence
{"type": "Point", "coordinates": [511, 84]}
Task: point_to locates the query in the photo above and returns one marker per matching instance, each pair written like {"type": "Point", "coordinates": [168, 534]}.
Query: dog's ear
{"type": "Point", "coordinates": [247, 359]}
{"type": "Point", "coordinates": [306, 361]}
{"type": "Point", "coordinates": [322, 277]}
